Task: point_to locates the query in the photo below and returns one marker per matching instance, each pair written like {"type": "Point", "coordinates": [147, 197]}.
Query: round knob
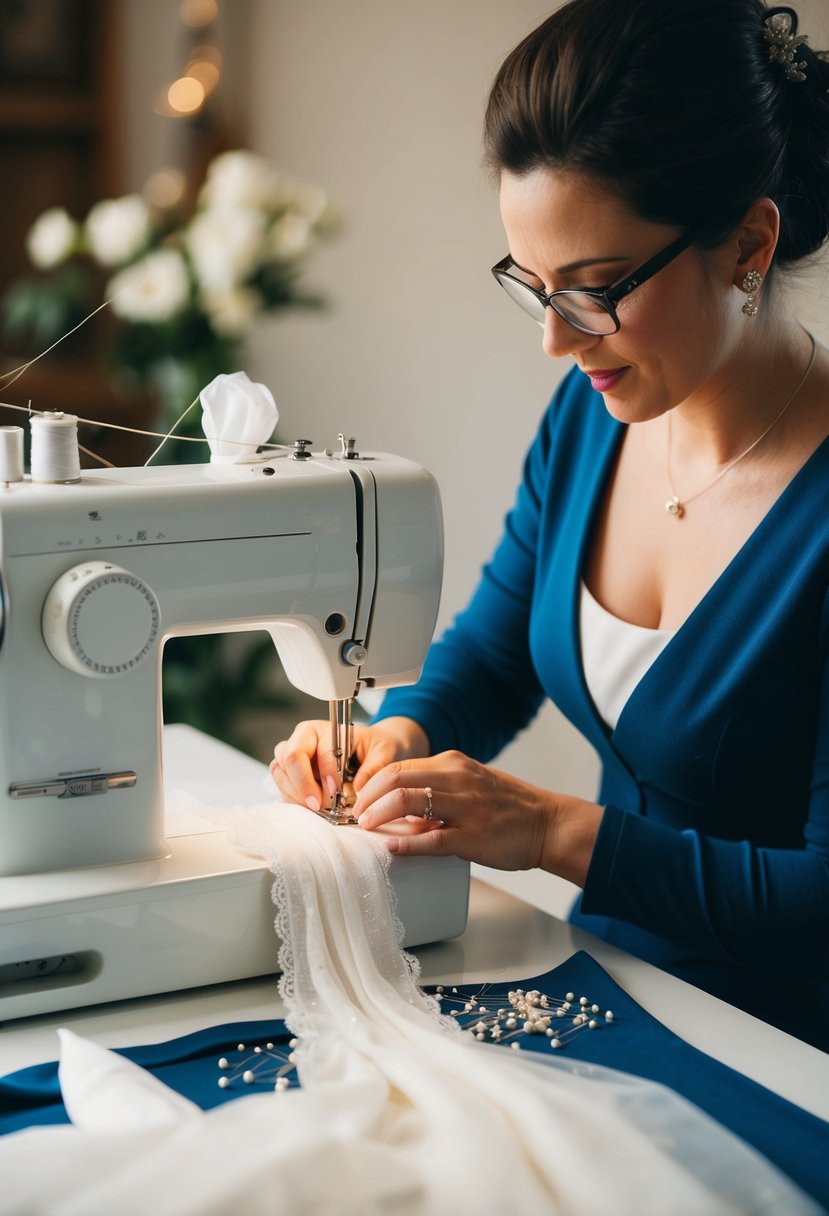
{"type": "Point", "coordinates": [300, 451]}
{"type": "Point", "coordinates": [353, 653]}
{"type": "Point", "coordinates": [99, 620]}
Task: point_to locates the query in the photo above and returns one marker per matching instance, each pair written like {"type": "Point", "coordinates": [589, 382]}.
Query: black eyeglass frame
{"type": "Point", "coordinates": [609, 296]}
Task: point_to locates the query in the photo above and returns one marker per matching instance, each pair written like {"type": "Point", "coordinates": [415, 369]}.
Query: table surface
{"type": "Point", "coordinates": [505, 939]}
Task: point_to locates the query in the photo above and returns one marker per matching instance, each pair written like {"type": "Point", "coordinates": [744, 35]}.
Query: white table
{"type": "Point", "coordinates": [505, 939]}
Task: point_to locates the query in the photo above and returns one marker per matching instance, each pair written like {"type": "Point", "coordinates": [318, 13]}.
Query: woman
{"type": "Point", "coordinates": [663, 573]}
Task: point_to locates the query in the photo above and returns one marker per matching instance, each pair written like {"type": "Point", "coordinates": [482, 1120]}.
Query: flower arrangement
{"type": "Point", "coordinates": [185, 289]}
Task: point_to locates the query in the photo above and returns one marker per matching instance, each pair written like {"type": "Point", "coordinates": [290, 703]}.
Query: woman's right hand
{"type": "Point", "coordinates": [304, 767]}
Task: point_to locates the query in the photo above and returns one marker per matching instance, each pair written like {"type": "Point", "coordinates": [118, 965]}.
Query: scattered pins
{"type": "Point", "coordinates": [486, 1017]}
{"type": "Point", "coordinates": [265, 1064]}
{"type": "Point", "coordinates": [559, 1019]}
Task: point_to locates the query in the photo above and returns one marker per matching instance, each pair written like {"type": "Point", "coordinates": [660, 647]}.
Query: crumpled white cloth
{"type": "Point", "coordinates": [399, 1112]}
{"type": "Point", "coordinates": [237, 416]}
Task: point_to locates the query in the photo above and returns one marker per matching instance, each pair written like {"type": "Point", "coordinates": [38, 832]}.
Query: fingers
{"type": "Point", "coordinates": [378, 751]}
{"type": "Point", "coordinates": [437, 843]}
{"type": "Point", "coordinates": [304, 768]}
{"type": "Point", "coordinates": [399, 788]}
{"type": "Point", "coordinates": [399, 802]}
{"type": "Point", "coordinates": [450, 804]}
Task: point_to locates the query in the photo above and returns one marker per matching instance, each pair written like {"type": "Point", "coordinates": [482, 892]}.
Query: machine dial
{"type": "Point", "coordinates": [100, 620]}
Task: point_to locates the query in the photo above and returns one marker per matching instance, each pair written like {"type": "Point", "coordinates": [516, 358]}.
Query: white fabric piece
{"type": "Point", "coordinates": [103, 1091]}
{"type": "Point", "coordinates": [237, 416]}
{"type": "Point", "coordinates": [615, 655]}
{"type": "Point", "coordinates": [399, 1111]}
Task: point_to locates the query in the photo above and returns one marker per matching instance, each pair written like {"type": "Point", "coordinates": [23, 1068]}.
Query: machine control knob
{"type": "Point", "coordinates": [353, 653]}
{"type": "Point", "coordinates": [100, 620]}
{"type": "Point", "coordinates": [300, 451]}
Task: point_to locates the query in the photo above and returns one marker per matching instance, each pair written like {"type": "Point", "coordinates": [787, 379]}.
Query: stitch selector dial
{"type": "Point", "coordinates": [100, 620]}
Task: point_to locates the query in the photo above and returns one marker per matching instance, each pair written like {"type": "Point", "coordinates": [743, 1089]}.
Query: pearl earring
{"type": "Point", "coordinates": [750, 284]}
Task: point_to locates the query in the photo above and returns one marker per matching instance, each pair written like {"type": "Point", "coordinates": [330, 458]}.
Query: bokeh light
{"type": "Point", "coordinates": [198, 13]}
{"type": "Point", "coordinates": [186, 95]}
{"type": "Point", "coordinates": [165, 188]}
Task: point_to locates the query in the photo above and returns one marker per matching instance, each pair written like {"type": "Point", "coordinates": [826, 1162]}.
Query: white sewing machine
{"type": "Point", "coordinates": [339, 558]}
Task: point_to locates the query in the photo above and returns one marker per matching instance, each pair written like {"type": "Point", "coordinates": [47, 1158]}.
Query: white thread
{"type": "Point", "coordinates": [17, 372]}
{"type": "Point", "coordinates": [94, 456]}
{"type": "Point", "coordinates": [55, 456]}
{"type": "Point", "coordinates": [170, 434]}
{"type": "Point", "coordinates": [133, 430]}
{"type": "Point", "coordinates": [11, 453]}
{"type": "Point", "coordinates": [7, 379]}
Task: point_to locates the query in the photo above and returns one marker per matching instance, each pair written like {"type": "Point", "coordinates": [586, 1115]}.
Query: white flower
{"type": "Point", "coordinates": [232, 312]}
{"type": "Point", "coordinates": [240, 179]}
{"type": "Point", "coordinates": [225, 246]}
{"type": "Point", "coordinates": [311, 201]}
{"type": "Point", "coordinates": [51, 239]}
{"type": "Point", "coordinates": [154, 289]}
{"type": "Point", "coordinates": [118, 228]}
{"type": "Point", "coordinates": [290, 236]}
{"type": "Point", "coordinates": [238, 416]}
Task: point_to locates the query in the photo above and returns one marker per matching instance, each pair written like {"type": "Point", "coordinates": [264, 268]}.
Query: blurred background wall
{"type": "Point", "coordinates": [380, 102]}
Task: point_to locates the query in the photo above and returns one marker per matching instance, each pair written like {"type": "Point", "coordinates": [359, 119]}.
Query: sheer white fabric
{"type": "Point", "coordinates": [399, 1112]}
{"type": "Point", "coordinates": [615, 655]}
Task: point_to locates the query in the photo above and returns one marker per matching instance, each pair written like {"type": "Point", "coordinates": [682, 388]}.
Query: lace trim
{"type": "Point", "coordinates": [292, 843]}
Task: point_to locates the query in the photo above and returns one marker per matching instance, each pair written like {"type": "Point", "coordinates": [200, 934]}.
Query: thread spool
{"type": "Point", "coordinates": [55, 456]}
{"type": "Point", "coordinates": [11, 454]}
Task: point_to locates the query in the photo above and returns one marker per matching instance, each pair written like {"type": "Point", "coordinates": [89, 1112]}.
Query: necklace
{"type": "Point", "coordinates": [676, 506]}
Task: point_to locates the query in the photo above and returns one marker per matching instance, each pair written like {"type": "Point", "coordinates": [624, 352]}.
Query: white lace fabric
{"type": "Point", "coordinates": [399, 1114]}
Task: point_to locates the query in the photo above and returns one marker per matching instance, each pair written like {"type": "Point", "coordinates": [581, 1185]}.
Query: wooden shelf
{"type": "Point", "coordinates": [52, 113]}
{"type": "Point", "coordinates": [59, 138]}
{"type": "Point", "coordinates": [79, 388]}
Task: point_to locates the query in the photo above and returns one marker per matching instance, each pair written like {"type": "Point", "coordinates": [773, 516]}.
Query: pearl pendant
{"type": "Point", "coordinates": [674, 507]}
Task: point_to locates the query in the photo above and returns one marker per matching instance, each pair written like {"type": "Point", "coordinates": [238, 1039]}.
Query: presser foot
{"type": "Point", "coordinates": [338, 813]}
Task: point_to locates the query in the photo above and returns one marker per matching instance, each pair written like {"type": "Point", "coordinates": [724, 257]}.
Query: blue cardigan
{"type": "Point", "coordinates": [712, 859]}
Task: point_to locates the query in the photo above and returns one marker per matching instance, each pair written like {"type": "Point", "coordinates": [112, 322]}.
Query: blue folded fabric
{"type": "Point", "coordinates": [635, 1042]}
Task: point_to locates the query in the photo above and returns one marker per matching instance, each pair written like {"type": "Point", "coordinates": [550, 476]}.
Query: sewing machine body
{"type": "Point", "coordinates": [339, 560]}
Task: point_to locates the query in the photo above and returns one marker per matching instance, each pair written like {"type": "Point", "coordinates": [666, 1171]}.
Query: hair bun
{"type": "Point", "coordinates": [701, 107]}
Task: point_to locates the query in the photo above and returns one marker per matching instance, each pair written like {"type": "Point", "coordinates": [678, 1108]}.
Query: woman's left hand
{"type": "Point", "coordinates": [478, 813]}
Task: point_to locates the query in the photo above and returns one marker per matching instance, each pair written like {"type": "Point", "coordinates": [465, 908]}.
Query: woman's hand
{"type": "Point", "coordinates": [479, 814]}
{"type": "Point", "coordinates": [305, 769]}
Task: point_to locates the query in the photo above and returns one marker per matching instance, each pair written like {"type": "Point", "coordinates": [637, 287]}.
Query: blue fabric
{"type": "Point", "coordinates": [189, 1065]}
{"type": "Point", "coordinates": [712, 859]}
{"type": "Point", "coordinates": [795, 1141]}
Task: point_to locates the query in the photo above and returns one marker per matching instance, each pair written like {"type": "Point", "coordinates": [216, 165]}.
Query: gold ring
{"type": "Point", "coordinates": [428, 814]}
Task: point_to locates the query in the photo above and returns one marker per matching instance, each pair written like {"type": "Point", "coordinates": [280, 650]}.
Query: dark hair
{"type": "Point", "coordinates": [677, 106]}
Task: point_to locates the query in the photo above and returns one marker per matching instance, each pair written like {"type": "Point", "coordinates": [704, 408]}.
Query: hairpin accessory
{"type": "Point", "coordinates": [750, 284]}
{"type": "Point", "coordinates": [780, 32]}
{"type": "Point", "coordinates": [676, 506]}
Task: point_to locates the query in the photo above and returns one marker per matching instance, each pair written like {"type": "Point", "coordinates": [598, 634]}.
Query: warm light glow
{"type": "Point", "coordinates": [198, 13]}
{"type": "Point", "coordinates": [207, 74]}
{"type": "Point", "coordinates": [165, 188]}
{"type": "Point", "coordinates": [208, 52]}
{"type": "Point", "coordinates": [186, 95]}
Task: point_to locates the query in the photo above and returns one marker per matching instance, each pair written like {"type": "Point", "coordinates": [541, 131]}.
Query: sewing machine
{"type": "Point", "coordinates": [338, 557]}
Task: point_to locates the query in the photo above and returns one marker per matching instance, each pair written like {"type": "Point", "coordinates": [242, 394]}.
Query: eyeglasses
{"type": "Point", "coordinates": [588, 309]}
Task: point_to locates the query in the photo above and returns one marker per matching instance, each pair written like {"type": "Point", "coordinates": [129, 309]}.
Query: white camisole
{"type": "Point", "coordinates": [615, 655]}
